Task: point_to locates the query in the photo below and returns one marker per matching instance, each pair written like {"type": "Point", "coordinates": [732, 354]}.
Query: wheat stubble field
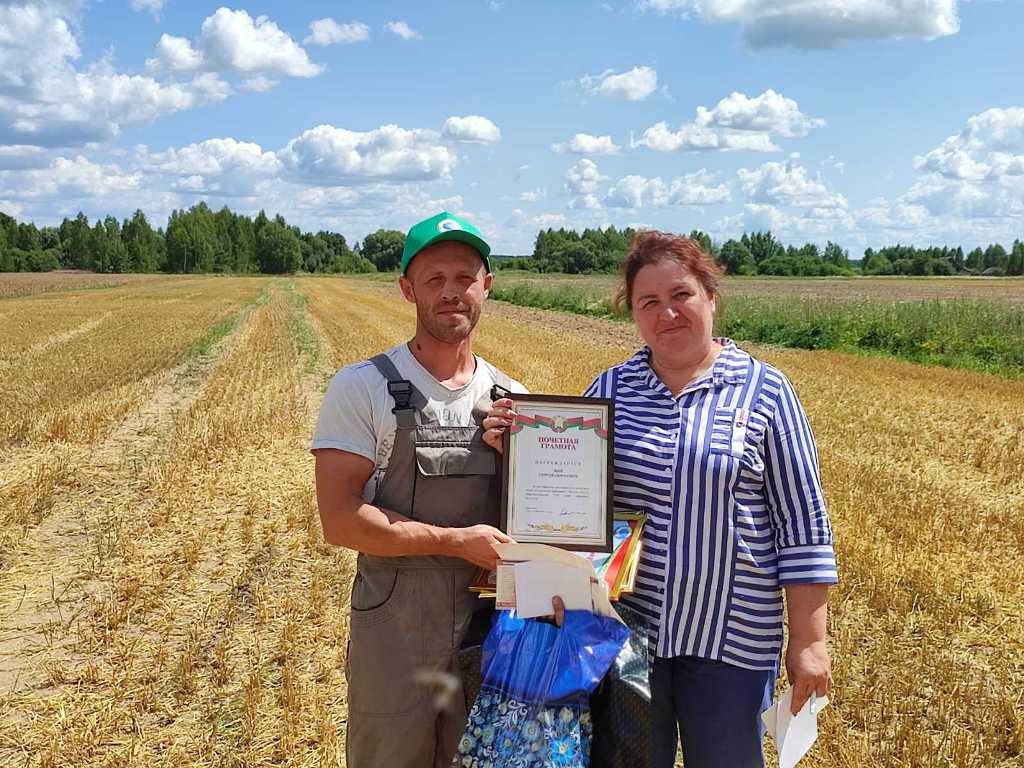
{"type": "Point", "coordinates": [166, 599]}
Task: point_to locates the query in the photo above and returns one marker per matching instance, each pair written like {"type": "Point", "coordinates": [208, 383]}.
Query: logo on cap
{"type": "Point", "coordinates": [447, 225]}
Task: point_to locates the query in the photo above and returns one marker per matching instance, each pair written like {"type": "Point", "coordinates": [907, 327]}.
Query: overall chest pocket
{"type": "Point", "coordinates": [456, 477]}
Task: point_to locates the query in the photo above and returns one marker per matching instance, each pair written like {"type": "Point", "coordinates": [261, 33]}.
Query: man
{"type": "Point", "coordinates": [404, 477]}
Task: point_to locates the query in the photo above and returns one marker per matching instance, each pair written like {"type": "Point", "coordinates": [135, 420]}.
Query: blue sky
{"type": "Point", "coordinates": [862, 121]}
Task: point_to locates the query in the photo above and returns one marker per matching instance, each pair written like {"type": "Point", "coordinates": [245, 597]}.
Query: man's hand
{"type": "Point", "coordinates": [498, 419]}
{"type": "Point", "coordinates": [476, 544]}
{"type": "Point", "coordinates": [808, 668]}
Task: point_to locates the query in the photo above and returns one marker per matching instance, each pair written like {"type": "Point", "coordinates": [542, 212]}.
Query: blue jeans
{"type": "Point", "coordinates": [714, 707]}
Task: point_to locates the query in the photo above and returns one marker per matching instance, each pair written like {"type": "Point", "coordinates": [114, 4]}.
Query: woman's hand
{"type": "Point", "coordinates": [498, 419]}
{"type": "Point", "coordinates": [809, 669]}
{"type": "Point", "coordinates": [808, 665]}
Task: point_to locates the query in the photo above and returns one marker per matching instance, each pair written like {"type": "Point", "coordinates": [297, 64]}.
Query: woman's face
{"type": "Point", "coordinates": [673, 312]}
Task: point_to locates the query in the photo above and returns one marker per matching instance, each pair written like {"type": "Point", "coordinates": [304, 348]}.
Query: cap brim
{"type": "Point", "coordinates": [458, 235]}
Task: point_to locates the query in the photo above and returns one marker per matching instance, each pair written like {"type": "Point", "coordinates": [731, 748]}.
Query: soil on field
{"type": "Point", "coordinates": [900, 289]}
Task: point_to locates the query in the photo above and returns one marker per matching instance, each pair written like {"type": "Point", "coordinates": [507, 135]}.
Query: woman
{"type": "Point", "coordinates": [714, 446]}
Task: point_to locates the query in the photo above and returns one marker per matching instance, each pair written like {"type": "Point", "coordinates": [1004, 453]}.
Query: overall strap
{"type": "Point", "coordinates": [408, 399]}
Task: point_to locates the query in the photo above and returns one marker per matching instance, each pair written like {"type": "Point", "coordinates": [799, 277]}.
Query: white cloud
{"type": "Point", "coordinates": [329, 32]}
{"type": "Point", "coordinates": [549, 220]}
{"type": "Point", "coordinates": [403, 30]}
{"type": "Point", "coordinates": [635, 85]}
{"type": "Point", "coordinates": [258, 84]}
{"type": "Point", "coordinates": [826, 24]}
{"type": "Point", "coordinates": [771, 112]}
{"type": "Point", "coordinates": [586, 144]}
{"type": "Point", "coordinates": [11, 208]}
{"type": "Point", "coordinates": [177, 54]}
{"type": "Point", "coordinates": [22, 156]}
{"type": "Point", "coordinates": [587, 202]}
{"type": "Point", "coordinates": [692, 189]}
{"type": "Point", "coordinates": [583, 178]}
{"type": "Point", "coordinates": [533, 195]}
{"type": "Point", "coordinates": [787, 184]}
{"type": "Point", "coordinates": [46, 101]}
{"type": "Point", "coordinates": [737, 122]}
{"type": "Point", "coordinates": [233, 42]}
{"type": "Point", "coordinates": [74, 177]}
{"type": "Point", "coordinates": [990, 147]}
{"type": "Point", "coordinates": [471, 128]}
{"type": "Point", "coordinates": [329, 155]}
{"type": "Point", "coordinates": [216, 166]}
{"type": "Point", "coordinates": [692, 138]}
{"type": "Point", "coordinates": [153, 6]}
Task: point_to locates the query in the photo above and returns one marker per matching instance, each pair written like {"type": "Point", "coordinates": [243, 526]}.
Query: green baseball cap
{"type": "Point", "coordinates": [437, 229]}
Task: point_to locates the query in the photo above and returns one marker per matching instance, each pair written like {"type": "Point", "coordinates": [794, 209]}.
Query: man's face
{"type": "Point", "coordinates": [448, 284]}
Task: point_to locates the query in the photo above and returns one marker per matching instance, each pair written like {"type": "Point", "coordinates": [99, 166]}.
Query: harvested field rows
{"type": "Point", "coordinates": [28, 283]}
{"type": "Point", "coordinates": [175, 605]}
{"type": "Point", "coordinates": [71, 383]}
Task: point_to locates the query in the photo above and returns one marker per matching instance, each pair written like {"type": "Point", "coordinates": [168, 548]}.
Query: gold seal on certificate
{"type": "Point", "coordinates": [557, 468]}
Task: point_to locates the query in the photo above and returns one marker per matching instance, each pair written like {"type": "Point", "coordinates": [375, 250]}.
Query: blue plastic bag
{"type": "Point", "coordinates": [533, 707]}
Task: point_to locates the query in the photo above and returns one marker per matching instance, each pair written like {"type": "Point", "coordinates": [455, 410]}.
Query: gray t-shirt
{"type": "Point", "coordinates": [356, 416]}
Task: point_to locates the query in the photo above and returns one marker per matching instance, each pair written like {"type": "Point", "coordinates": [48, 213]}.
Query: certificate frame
{"type": "Point", "coordinates": [519, 461]}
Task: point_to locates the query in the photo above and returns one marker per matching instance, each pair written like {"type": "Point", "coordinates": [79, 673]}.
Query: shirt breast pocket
{"type": "Point", "coordinates": [726, 436]}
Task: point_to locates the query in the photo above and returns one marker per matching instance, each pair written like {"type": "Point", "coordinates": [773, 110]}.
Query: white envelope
{"type": "Point", "coordinates": [537, 581]}
{"type": "Point", "coordinates": [793, 735]}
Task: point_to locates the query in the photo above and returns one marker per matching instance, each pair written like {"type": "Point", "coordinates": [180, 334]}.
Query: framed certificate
{"type": "Point", "coordinates": [557, 472]}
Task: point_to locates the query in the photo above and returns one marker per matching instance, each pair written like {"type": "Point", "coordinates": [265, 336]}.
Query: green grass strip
{"type": "Point", "coordinates": [307, 343]}
{"type": "Point", "coordinates": [971, 335]}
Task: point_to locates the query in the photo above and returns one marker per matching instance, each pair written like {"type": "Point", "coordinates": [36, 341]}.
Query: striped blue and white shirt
{"type": "Point", "coordinates": [727, 473]}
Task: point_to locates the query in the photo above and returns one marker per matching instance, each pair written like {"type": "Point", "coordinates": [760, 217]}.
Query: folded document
{"type": "Point", "coordinates": [793, 734]}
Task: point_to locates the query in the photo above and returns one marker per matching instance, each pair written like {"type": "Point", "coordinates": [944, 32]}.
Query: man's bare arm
{"type": "Point", "coordinates": [348, 521]}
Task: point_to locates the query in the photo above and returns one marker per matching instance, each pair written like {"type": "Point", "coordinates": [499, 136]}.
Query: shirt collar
{"type": "Point", "coordinates": [730, 367]}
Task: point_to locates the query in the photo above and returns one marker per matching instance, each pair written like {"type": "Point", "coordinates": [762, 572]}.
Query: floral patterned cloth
{"type": "Point", "coordinates": [505, 733]}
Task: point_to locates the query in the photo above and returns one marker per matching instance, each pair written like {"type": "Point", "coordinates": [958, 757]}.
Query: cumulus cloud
{"type": "Point", "coordinates": [329, 32]}
{"type": "Point", "coordinates": [471, 128]}
{"type": "Point", "coordinates": [234, 42]}
{"type": "Point", "coordinates": [827, 24]}
{"type": "Point", "coordinates": [989, 148]}
{"type": "Point", "coordinates": [329, 155]}
{"type": "Point", "coordinates": [771, 112]}
{"type": "Point", "coordinates": [177, 53]}
{"type": "Point", "coordinates": [635, 85]}
{"type": "Point", "coordinates": [737, 122]}
{"type": "Point", "coordinates": [533, 195]}
{"type": "Point", "coordinates": [586, 144]}
{"type": "Point", "coordinates": [583, 178]}
{"type": "Point", "coordinates": [216, 166]}
{"type": "Point", "coordinates": [787, 184]}
{"type": "Point", "coordinates": [71, 177]}
{"type": "Point", "coordinates": [403, 30]}
{"type": "Point", "coordinates": [45, 100]}
{"type": "Point", "coordinates": [692, 189]}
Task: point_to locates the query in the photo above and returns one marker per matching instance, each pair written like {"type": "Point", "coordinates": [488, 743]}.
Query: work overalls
{"type": "Point", "coordinates": [410, 615]}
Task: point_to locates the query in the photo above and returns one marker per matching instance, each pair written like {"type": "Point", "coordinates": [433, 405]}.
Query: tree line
{"type": "Point", "coordinates": [204, 241]}
{"type": "Point", "coordinates": [195, 240]}
{"type": "Point", "coordinates": [761, 253]}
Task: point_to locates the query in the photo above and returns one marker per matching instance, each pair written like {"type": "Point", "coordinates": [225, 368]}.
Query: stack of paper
{"type": "Point", "coordinates": [615, 570]}
{"type": "Point", "coordinates": [618, 568]}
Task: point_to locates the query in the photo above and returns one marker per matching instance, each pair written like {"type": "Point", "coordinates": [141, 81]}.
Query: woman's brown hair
{"type": "Point", "coordinates": [653, 247]}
